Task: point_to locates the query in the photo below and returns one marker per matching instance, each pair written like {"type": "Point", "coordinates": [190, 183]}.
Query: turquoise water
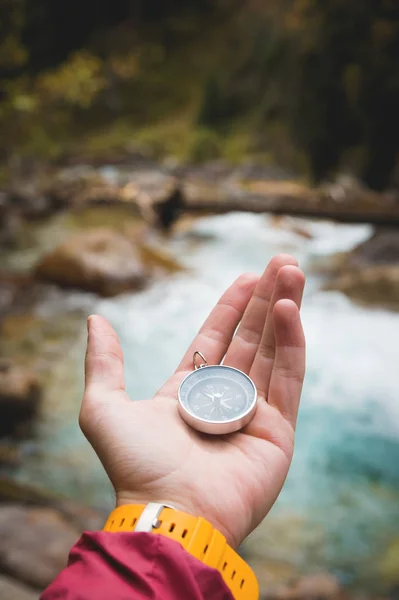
{"type": "Point", "coordinates": [340, 506]}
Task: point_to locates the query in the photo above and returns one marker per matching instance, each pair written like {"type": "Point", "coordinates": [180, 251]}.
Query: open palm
{"type": "Point", "coordinates": [151, 454]}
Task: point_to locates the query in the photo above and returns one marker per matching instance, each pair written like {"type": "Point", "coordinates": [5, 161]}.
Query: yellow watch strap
{"type": "Point", "coordinates": [199, 538]}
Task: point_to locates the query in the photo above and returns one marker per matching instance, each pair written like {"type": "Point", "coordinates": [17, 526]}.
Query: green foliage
{"type": "Point", "coordinates": [313, 82]}
{"type": "Point", "coordinates": [77, 82]}
{"type": "Point", "coordinates": [205, 145]}
{"type": "Point", "coordinates": [213, 106]}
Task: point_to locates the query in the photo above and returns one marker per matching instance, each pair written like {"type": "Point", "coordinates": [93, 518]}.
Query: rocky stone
{"type": "Point", "coordinates": [101, 261]}
{"type": "Point", "coordinates": [80, 517]}
{"type": "Point", "coordinates": [318, 586]}
{"type": "Point", "coordinates": [381, 249]}
{"type": "Point", "coordinates": [151, 193]}
{"type": "Point", "coordinates": [29, 201]}
{"type": "Point", "coordinates": [292, 224]}
{"type": "Point", "coordinates": [34, 543]}
{"type": "Point", "coordinates": [12, 286]}
{"type": "Point", "coordinates": [370, 273]}
{"type": "Point", "coordinates": [157, 258]}
{"type": "Point", "coordinates": [20, 393]}
{"type": "Point", "coordinates": [78, 185]}
{"type": "Point", "coordinates": [9, 221]}
{"type": "Point", "coordinates": [10, 453]}
{"type": "Point", "coordinates": [12, 590]}
{"type": "Point", "coordinates": [375, 286]}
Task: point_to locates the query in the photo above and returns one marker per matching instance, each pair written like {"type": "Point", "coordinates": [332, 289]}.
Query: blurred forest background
{"type": "Point", "coordinates": [311, 84]}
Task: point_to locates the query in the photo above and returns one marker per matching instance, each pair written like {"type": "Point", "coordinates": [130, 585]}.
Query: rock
{"type": "Point", "coordinates": [12, 287]}
{"type": "Point", "coordinates": [80, 517]}
{"type": "Point", "coordinates": [10, 454]}
{"type": "Point", "coordinates": [370, 273]}
{"type": "Point", "coordinates": [319, 586]}
{"type": "Point", "coordinates": [292, 224]}
{"type": "Point", "coordinates": [376, 286]}
{"type": "Point", "coordinates": [79, 185]}
{"type": "Point", "coordinates": [12, 590]}
{"type": "Point", "coordinates": [157, 258]}
{"type": "Point", "coordinates": [29, 201]}
{"type": "Point", "coordinates": [151, 193]}
{"type": "Point", "coordinates": [101, 261]}
{"type": "Point", "coordinates": [381, 249]}
{"type": "Point", "coordinates": [34, 543]}
{"type": "Point", "coordinates": [157, 196]}
{"type": "Point", "coordinates": [9, 221]}
{"type": "Point", "coordinates": [272, 575]}
{"type": "Point", "coordinates": [20, 393]}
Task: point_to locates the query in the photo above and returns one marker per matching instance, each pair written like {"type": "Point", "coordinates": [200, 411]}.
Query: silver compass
{"type": "Point", "coordinates": [216, 399]}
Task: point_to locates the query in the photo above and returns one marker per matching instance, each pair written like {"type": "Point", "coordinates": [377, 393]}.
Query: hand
{"type": "Point", "coordinates": [148, 451]}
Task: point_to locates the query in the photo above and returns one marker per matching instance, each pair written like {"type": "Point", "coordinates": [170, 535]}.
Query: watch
{"type": "Point", "coordinates": [216, 399]}
{"type": "Point", "coordinates": [196, 535]}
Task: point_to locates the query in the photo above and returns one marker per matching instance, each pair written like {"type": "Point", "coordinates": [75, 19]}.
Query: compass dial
{"type": "Point", "coordinates": [215, 395]}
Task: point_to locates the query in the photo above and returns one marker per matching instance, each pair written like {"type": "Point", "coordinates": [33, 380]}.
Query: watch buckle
{"type": "Point", "coordinates": [149, 518]}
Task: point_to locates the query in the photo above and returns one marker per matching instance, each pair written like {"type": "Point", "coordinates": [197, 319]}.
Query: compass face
{"type": "Point", "coordinates": [216, 395]}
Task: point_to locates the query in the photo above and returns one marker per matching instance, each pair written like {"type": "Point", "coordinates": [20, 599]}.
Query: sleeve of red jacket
{"type": "Point", "coordinates": [133, 566]}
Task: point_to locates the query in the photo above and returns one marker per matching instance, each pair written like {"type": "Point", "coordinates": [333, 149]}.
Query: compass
{"type": "Point", "coordinates": [216, 399]}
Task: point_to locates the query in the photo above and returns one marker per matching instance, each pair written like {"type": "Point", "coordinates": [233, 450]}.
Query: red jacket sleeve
{"type": "Point", "coordinates": [134, 566]}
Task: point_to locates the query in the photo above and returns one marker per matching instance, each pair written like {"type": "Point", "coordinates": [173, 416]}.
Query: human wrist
{"type": "Point", "coordinates": [127, 498]}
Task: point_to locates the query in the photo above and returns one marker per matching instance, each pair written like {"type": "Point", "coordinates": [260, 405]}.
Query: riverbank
{"type": "Point", "coordinates": [162, 193]}
{"type": "Point", "coordinates": [95, 217]}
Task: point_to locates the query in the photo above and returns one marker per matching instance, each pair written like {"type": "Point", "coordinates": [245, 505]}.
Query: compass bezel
{"type": "Point", "coordinates": [211, 426]}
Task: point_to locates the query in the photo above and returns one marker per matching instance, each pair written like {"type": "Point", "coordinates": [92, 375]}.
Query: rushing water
{"type": "Point", "coordinates": [340, 506]}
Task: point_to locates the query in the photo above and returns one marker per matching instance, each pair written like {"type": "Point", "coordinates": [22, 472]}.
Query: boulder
{"type": "Point", "coordinates": [318, 586]}
{"type": "Point", "coordinates": [20, 393]}
{"type": "Point", "coordinates": [13, 286]}
{"type": "Point", "coordinates": [12, 590]}
{"type": "Point", "coordinates": [375, 286]}
{"type": "Point", "coordinates": [34, 543]}
{"type": "Point", "coordinates": [29, 201]}
{"type": "Point", "coordinates": [79, 516]}
{"type": "Point", "coordinates": [381, 249]}
{"type": "Point", "coordinates": [9, 221]}
{"type": "Point", "coordinates": [370, 273]}
{"type": "Point", "coordinates": [151, 193]}
{"type": "Point", "coordinates": [101, 261]}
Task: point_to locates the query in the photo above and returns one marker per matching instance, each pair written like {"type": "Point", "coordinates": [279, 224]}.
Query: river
{"type": "Point", "coordinates": [339, 509]}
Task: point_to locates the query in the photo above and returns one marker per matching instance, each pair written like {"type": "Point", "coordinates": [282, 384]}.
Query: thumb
{"type": "Point", "coordinates": [104, 357]}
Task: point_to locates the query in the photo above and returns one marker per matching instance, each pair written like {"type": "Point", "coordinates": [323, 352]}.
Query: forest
{"type": "Point", "coordinates": [309, 84]}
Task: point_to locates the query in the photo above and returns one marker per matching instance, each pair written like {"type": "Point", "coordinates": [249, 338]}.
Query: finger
{"type": "Point", "coordinates": [290, 282]}
{"type": "Point", "coordinates": [289, 362]}
{"type": "Point", "coordinates": [215, 335]}
{"type": "Point", "coordinates": [104, 356]}
{"type": "Point", "coordinates": [243, 348]}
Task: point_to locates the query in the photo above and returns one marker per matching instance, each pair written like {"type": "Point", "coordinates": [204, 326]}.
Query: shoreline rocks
{"type": "Point", "coordinates": [99, 260]}
{"type": "Point", "coordinates": [20, 393]}
{"type": "Point", "coordinates": [160, 194]}
{"type": "Point", "coordinates": [317, 586]}
{"type": "Point", "coordinates": [37, 531]}
{"type": "Point", "coordinates": [370, 273]}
